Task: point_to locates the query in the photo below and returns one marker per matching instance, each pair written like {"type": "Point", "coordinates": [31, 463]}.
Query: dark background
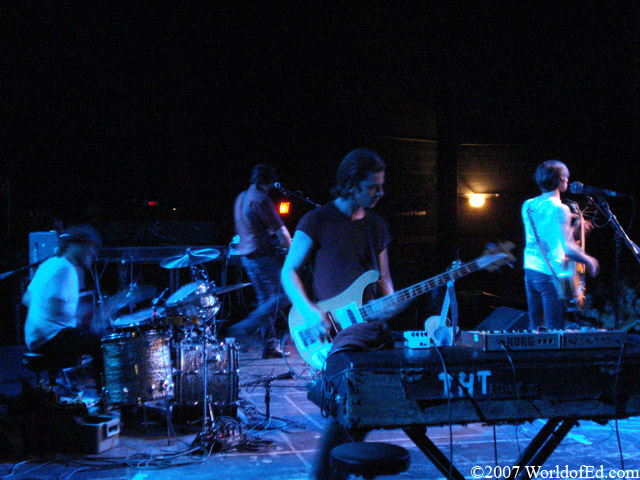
{"type": "Point", "coordinates": [106, 108]}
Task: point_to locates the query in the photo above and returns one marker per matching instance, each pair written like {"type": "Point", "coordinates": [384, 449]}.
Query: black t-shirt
{"type": "Point", "coordinates": [343, 248]}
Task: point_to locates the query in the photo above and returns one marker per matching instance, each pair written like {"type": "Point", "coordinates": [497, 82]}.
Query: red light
{"type": "Point", "coordinates": [284, 208]}
{"type": "Point", "coordinates": [151, 203]}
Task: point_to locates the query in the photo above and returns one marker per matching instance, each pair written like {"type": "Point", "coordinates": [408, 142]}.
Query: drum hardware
{"type": "Point", "coordinates": [138, 355]}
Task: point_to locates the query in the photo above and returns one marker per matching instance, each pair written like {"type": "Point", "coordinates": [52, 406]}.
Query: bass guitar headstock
{"type": "Point", "coordinates": [497, 255]}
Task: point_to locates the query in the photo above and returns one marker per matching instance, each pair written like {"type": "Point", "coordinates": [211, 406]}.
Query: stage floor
{"type": "Point", "coordinates": [284, 448]}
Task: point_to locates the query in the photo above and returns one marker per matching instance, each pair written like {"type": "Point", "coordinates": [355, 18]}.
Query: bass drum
{"type": "Point", "coordinates": [222, 375]}
{"type": "Point", "coordinates": [137, 367]}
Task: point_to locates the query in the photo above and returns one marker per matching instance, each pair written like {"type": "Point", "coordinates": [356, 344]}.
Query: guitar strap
{"type": "Point", "coordinates": [374, 257]}
{"type": "Point", "coordinates": [543, 250]}
{"type": "Point", "coordinates": [453, 306]}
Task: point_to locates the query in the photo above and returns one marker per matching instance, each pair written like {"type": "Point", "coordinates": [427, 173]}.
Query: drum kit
{"type": "Point", "coordinates": [172, 351]}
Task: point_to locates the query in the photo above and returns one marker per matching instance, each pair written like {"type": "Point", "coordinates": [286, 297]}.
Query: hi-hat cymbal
{"type": "Point", "coordinates": [192, 257]}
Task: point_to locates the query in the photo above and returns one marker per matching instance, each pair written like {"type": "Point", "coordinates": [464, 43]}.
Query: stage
{"type": "Point", "coordinates": [284, 447]}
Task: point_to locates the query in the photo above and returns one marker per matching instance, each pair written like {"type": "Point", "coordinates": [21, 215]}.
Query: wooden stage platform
{"type": "Point", "coordinates": [284, 447]}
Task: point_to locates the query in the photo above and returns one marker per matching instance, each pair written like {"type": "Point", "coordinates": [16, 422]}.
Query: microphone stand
{"type": "Point", "coordinates": [297, 194]}
{"type": "Point", "coordinates": [266, 383]}
{"type": "Point", "coordinates": [17, 270]}
{"type": "Point", "coordinates": [603, 207]}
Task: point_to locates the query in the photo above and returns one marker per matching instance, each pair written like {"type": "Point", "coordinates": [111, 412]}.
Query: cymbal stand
{"type": "Point", "coordinates": [205, 368]}
{"type": "Point", "coordinates": [199, 273]}
{"type": "Point", "coordinates": [100, 301]}
{"type": "Point", "coordinates": [208, 417]}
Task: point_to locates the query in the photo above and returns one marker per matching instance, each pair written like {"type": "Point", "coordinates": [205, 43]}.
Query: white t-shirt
{"type": "Point", "coordinates": [54, 294]}
{"type": "Point", "coordinates": [548, 214]}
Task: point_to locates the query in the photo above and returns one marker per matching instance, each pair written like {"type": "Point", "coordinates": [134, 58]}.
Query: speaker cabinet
{"type": "Point", "coordinates": [42, 245]}
{"type": "Point", "coordinates": [505, 318]}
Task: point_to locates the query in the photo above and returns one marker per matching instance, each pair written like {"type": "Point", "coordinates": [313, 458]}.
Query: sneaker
{"type": "Point", "coordinates": [272, 350]}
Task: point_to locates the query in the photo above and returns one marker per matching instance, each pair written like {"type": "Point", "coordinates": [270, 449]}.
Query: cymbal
{"type": "Point", "coordinates": [229, 288]}
{"type": "Point", "coordinates": [130, 296]}
{"type": "Point", "coordinates": [192, 257]}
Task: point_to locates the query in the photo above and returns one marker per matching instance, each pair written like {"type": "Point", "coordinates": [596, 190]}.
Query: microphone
{"type": "Point", "coordinates": [279, 186]}
{"type": "Point", "coordinates": [580, 188]}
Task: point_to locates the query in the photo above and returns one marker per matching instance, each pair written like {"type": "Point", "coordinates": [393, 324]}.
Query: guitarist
{"type": "Point", "coordinates": [342, 239]}
{"type": "Point", "coordinates": [550, 241]}
{"type": "Point", "coordinates": [257, 222]}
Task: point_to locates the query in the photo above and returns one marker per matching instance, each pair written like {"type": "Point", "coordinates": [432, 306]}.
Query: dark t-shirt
{"type": "Point", "coordinates": [256, 220]}
{"type": "Point", "coordinates": [342, 248]}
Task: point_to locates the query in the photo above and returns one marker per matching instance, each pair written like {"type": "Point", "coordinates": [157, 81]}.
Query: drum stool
{"type": "Point", "coordinates": [370, 459]}
{"type": "Point", "coordinates": [39, 363]}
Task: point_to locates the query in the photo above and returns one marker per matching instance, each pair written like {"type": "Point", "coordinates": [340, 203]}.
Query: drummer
{"type": "Point", "coordinates": [52, 326]}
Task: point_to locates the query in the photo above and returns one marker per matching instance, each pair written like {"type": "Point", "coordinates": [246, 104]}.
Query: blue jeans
{"type": "Point", "coordinates": [264, 273]}
{"type": "Point", "coordinates": [545, 308]}
{"type": "Point", "coordinates": [70, 344]}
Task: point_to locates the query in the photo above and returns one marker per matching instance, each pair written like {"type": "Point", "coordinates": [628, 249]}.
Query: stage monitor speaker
{"type": "Point", "coordinates": [505, 318]}
{"type": "Point", "coordinates": [42, 245]}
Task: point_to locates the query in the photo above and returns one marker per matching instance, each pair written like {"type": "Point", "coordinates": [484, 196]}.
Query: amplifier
{"type": "Point", "coordinates": [42, 245]}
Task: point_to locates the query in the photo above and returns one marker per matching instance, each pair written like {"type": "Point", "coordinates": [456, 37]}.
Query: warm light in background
{"type": "Point", "coordinates": [284, 208]}
{"type": "Point", "coordinates": [476, 200]}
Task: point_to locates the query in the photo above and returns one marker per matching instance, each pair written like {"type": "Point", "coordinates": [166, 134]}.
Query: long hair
{"type": "Point", "coordinates": [354, 168]}
{"type": "Point", "coordinates": [549, 174]}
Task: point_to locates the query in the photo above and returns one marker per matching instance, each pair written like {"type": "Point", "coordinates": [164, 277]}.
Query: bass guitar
{"type": "Point", "coordinates": [346, 309]}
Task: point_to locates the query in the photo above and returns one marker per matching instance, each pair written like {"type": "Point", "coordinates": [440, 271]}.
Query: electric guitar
{"type": "Point", "coordinates": [346, 308]}
{"type": "Point", "coordinates": [439, 332]}
{"type": "Point", "coordinates": [571, 282]}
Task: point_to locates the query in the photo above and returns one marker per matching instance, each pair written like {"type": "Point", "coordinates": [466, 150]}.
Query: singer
{"type": "Point", "coordinates": [550, 241]}
{"type": "Point", "coordinates": [263, 237]}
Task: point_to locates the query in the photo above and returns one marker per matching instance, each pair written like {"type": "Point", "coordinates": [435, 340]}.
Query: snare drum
{"type": "Point", "coordinates": [141, 320]}
{"type": "Point", "coordinates": [193, 300]}
{"type": "Point", "coordinates": [222, 373]}
{"type": "Point", "coordinates": [137, 367]}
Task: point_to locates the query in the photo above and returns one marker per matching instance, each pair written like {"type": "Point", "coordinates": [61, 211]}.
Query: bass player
{"type": "Point", "coordinates": [342, 239]}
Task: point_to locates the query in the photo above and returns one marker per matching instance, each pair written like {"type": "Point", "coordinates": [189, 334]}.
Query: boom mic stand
{"type": "Point", "coordinates": [266, 383]}
{"type": "Point", "coordinates": [17, 270]}
{"type": "Point", "coordinates": [603, 207]}
{"type": "Point", "coordinates": [297, 194]}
